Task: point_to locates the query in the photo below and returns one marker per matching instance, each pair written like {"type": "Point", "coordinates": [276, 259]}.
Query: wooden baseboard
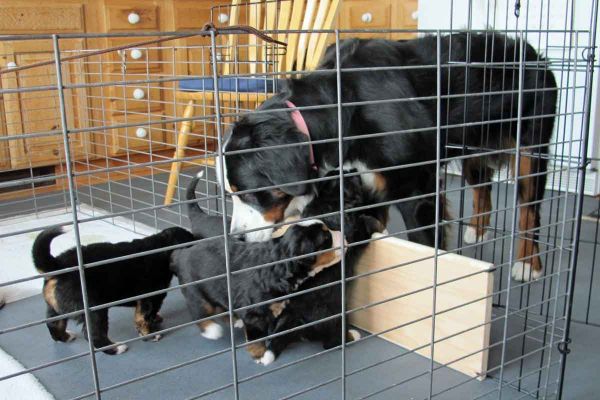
{"type": "Point", "coordinates": [99, 174]}
{"type": "Point", "coordinates": [410, 283]}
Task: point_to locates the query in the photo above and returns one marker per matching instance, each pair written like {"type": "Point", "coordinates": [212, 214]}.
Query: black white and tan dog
{"type": "Point", "coordinates": [479, 110]}
{"type": "Point", "coordinates": [326, 302]}
{"type": "Point", "coordinates": [314, 305]}
{"type": "Point", "coordinates": [249, 286]}
{"type": "Point", "coordinates": [106, 283]}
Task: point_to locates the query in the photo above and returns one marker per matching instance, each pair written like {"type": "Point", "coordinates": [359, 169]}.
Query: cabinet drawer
{"type": "Point", "coordinates": [194, 14]}
{"type": "Point", "coordinates": [141, 137]}
{"type": "Point", "coordinates": [138, 60]}
{"type": "Point", "coordinates": [366, 14]}
{"type": "Point", "coordinates": [28, 18]}
{"type": "Point", "coordinates": [123, 18]}
{"type": "Point", "coordinates": [135, 98]}
{"type": "Point", "coordinates": [405, 17]}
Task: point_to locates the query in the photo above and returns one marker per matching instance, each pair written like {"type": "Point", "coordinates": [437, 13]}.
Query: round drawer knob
{"type": "Point", "coordinates": [133, 18]}
{"type": "Point", "coordinates": [415, 15]}
{"type": "Point", "coordinates": [139, 94]}
{"type": "Point", "coordinates": [222, 18]}
{"type": "Point", "coordinates": [11, 64]}
{"type": "Point", "coordinates": [136, 54]}
{"type": "Point", "coordinates": [141, 132]}
{"type": "Point", "coordinates": [367, 17]}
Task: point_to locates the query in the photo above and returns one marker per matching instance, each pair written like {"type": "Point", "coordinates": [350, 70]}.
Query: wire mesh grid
{"type": "Point", "coordinates": [114, 119]}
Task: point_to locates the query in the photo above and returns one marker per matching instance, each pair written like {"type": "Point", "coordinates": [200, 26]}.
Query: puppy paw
{"type": "Point", "coordinates": [523, 272]}
{"type": "Point", "coordinates": [353, 335]}
{"type": "Point", "coordinates": [156, 338]}
{"type": "Point", "coordinates": [239, 323]}
{"type": "Point", "coordinates": [471, 236]}
{"type": "Point", "coordinates": [70, 336]}
{"type": "Point", "coordinates": [120, 349]}
{"type": "Point", "coordinates": [213, 331]}
{"type": "Point", "coordinates": [267, 358]}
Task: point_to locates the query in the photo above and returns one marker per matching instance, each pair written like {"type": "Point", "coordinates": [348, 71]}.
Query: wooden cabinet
{"type": "Point", "coordinates": [193, 56]}
{"type": "Point", "coordinates": [131, 16]}
{"type": "Point", "coordinates": [142, 137]}
{"type": "Point", "coordinates": [4, 154]}
{"type": "Point", "coordinates": [38, 112]}
{"type": "Point", "coordinates": [98, 106]}
{"type": "Point", "coordinates": [366, 14]}
{"type": "Point", "coordinates": [380, 14]}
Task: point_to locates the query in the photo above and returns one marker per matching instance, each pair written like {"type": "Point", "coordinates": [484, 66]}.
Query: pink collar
{"type": "Point", "coordinates": [302, 127]}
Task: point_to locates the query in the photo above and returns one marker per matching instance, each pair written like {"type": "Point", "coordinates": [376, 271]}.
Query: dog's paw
{"type": "Point", "coordinates": [471, 236]}
{"type": "Point", "coordinates": [213, 331]}
{"type": "Point", "coordinates": [239, 323]}
{"type": "Point", "coordinates": [523, 272]}
{"type": "Point", "coordinates": [267, 358]}
{"type": "Point", "coordinates": [120, 349]}
{"type": "Point", "coordinates": [70, 336]}
{"type": "Point", "coordinates": [354, 334]}
{"type": "Point", "coordinates": [156, 338]}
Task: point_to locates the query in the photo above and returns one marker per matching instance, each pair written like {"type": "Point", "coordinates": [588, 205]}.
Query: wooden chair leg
{"type": "Point", "coordinates": [182, 140]}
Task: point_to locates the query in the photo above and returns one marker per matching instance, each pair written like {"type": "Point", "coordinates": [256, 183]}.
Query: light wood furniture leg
{"type": "Point", "coordinates": [182, 140]}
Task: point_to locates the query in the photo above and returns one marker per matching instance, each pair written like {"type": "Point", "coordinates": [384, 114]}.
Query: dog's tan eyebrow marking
{"type": "Point", "coordinates": [277, 308]}
{"type": "Point", "coordinates": [324, 259]}
{"type": "Point", "coordinates": [275, 214]}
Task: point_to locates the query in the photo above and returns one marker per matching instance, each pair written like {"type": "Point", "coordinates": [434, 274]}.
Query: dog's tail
{"type": "Point", "coordinates": [193, 208]}
{"type": "Point", "coordinates": [43, 260]}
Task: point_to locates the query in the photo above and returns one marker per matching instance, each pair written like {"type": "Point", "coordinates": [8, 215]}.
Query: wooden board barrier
{"type": "Point", "coordinates": [463, 282]}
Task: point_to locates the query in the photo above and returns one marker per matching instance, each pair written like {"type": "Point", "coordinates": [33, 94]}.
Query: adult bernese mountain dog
{"type": "Point", "coordinates": [397, 133]}
{"type": "Point", "coordinates": [113, 281]}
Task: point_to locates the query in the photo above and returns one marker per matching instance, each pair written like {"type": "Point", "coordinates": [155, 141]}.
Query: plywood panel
{"type": "Point", "coordinates": [463, 283]}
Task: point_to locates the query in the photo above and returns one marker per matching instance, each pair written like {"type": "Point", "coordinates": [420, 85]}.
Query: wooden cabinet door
{"type": "Point", "coordinates": [366, 14]}
{"type": "Point", "coordinates": [39, 111]}
{"type": "Point", "coordinates": [4, 156]}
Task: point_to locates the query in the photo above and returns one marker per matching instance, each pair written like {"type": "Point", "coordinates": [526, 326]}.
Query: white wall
{"type": "Point", "coordinates": [499, 15]}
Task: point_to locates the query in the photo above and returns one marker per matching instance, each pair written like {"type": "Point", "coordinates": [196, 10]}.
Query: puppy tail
{"type": "Point", "coordinates": [42, 258]}
{"type": "Point", "coordinates": [193, 208]}
{"type": "Point", "coordinates": [190, 193]}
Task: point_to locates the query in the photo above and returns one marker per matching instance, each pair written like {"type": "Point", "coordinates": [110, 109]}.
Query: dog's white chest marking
{"type": "Point", "coordinates": [368, 178]}
{"type": "Point", "coordinates": [297, 205]}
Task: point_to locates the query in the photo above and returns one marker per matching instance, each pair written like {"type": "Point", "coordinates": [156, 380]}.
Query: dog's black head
{"type": "Point", "coordinates": [175, 235]}
{"type": "Point", "coordinates": [313, 236]}
{"type": "Point", "coordinates": [266, 167]}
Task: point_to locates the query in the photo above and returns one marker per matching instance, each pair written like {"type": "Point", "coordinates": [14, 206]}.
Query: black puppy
{"type": "Point", "coordinates": [252, 285]}
{"type": "Point", "coordinates": [106, 283]}
{"type": "Point", "coordinates": [327, 302]}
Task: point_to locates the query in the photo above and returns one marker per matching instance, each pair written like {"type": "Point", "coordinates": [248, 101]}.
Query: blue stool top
{"type": "Point", "coordinates": [235, 84]}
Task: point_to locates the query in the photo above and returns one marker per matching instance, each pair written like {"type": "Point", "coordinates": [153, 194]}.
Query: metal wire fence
{"type": "Point", "coordinates": [93, 138]}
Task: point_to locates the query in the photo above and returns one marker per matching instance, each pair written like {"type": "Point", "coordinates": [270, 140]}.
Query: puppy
{"type": "Point", "coordinates": [327, 302]}
{"type": "Point", "coordinates": [106, 283]}
{"type": "Point", "coordinates": [253, 285]}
